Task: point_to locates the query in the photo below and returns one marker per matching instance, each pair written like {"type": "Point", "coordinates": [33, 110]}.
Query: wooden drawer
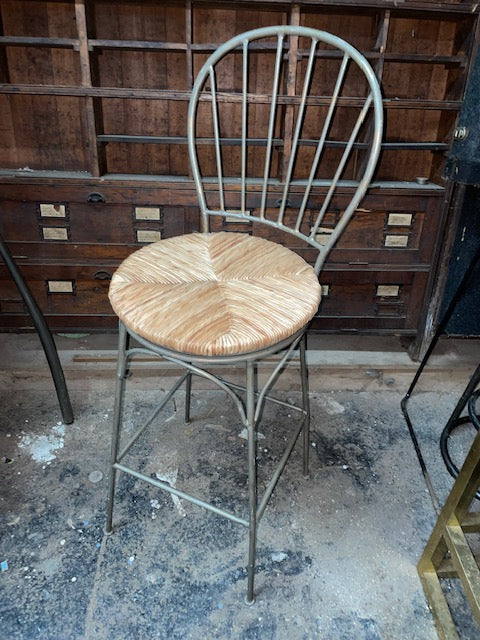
{"type": "Point", "coordinates": [385, 231]}
{"type": "Point", "coordinates": [75, 296]}
{"type": "Point", "coordinates": [70, 296]}
{"type": "Point", "coordinates": [68, 248]}
{"type": "Point", "coordinates": [385, 302]}
{"type": "Point", "coordinates": [71, 222]}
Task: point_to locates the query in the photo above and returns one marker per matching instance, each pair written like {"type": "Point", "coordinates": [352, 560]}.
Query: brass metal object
{"type": "Point", "coordinates": [448, 554]}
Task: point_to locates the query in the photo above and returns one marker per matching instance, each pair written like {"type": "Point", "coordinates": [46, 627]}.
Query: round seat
{"type": "Point", "coordinates": [214, 294]}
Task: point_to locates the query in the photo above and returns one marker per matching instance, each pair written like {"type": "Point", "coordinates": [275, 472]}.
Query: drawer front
{"type": "Point", "coordinates": [77, 296]}
{"type": "Point", "coordinates": [385, 231]}
{"type": "Point", "coordinates": [69, 240]}
{"type": "Point", "coordinates": [75, 291]}
{"type": "Point", "coordinates": [70, 223]}
{"type": "Point", "coordinates": [68, 248]}
{"type": "Point", "coordinates": [386, 301]}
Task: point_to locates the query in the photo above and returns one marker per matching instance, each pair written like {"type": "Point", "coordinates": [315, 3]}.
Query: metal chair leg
{"type": "Point", "coordinates": [306, 406]}
{"type": "Point", "coordinates": [252, 480]}
{"type": "Point", "coordinates": [188, 397]}
{"type": "Point", "coordinates": [117, 418]}
{"type": "Point", "coordinates": [250, 414]}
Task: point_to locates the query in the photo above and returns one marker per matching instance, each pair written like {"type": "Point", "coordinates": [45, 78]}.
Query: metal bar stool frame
{"type": "Point", "coordinates": [250, 408]}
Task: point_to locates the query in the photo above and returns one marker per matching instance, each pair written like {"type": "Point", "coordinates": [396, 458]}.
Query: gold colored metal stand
{"type": "Point", "coordinates": [448, 554]}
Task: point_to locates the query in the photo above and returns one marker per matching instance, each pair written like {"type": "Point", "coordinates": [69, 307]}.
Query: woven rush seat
{"type": "Point", "coordinates": [215, 294]}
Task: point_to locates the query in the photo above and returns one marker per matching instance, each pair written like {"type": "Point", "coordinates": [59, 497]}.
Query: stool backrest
{"type": "Point", "coordinates": [281, 120]}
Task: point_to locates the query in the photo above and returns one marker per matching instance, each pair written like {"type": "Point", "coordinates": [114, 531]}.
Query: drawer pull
{"type": "Point", "coordinates": [96, 198]}
{"type": "Point", "coordinates": [102, 275]}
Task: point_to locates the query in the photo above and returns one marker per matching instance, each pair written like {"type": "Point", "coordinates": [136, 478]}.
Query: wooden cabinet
{"type": "Point", "coordinates": [93, 157]}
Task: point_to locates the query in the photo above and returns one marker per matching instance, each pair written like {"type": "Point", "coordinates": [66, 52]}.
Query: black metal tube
{"type": "Point", "coordinates": [43, 333]}
{"type": "Point", "coordinates": [455, 420]}
{"type": "Point", "coordinates": [403, 404]}
{"type": "Point", "coordinates": [444, 321]}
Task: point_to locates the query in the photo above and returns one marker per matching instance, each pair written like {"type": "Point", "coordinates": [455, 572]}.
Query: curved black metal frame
{"type": "Point", "coordinates": [473, 382]}
{"type": "Point", "coordinates": [43, 332]}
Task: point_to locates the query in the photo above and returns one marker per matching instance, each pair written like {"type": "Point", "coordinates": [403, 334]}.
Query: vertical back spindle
{"type": "Point", "coordinates": [216, 133]}
{"type": "Point", "coordinates": [298, 128]}
{"type": "Point", "coordinates": [244, 122]}
{"type": "Point", "coordinates": [271, 124]}
{"type": "Point", "coordinates": [321, 140]}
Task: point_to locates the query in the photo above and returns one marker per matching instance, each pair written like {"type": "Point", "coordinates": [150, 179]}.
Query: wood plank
{"type": "Point", "coordinates": [90, 123]}
{"type": "Point", "coordinates": [149, 94]}
{"type": "Point", "coordinates": [164, 70]}
{"type": "Point", "coordinates": [8, 142]}
{"type": "Point", "coordinates": [49, 42]}
{"type": "Point", "coordinates": [188, 42]}
{"type": "Point", "coordinates": [137, 44]}
{"type": "Point", "coordinates": [70, 116]}
{"type": "Point", "coordinates": [26, 66]}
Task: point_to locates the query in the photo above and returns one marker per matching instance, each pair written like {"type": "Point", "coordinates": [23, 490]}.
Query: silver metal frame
{"type": "Point", "coordinates": [372, 103]}
{"type": "Point", "coordinates": [248, 401]}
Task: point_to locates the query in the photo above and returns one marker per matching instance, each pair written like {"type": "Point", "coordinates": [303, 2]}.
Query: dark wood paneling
{"type": "Point", "coordinates": [79, 79]}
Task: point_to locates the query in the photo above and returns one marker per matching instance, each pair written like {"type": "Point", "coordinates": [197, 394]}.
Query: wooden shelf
{"type": "Point", "coordinates": [93, 99]}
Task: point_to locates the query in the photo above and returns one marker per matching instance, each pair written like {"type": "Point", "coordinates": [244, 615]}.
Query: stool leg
{"type": "Point", "coordinates": [306, 406]}
{"type": "Point", "coordinates": [188, 397]}
{"type": "Point", "coordinates": [117, 418]}
{"type": "Point", "coordinates": [252, 480]}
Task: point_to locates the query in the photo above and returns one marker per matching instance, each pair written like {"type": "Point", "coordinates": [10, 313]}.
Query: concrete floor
{"type": "Point", "coordinates": [337, 553]}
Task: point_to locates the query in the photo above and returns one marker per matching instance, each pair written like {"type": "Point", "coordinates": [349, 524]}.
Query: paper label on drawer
{"type": "Point", "coordinates": [388, 290]}
{"type": "Point", "coordinates": [399, 219]}
{"type": "Point", "coordinates": [60, 286]}
{"type": "Point", "coordinates": [52, 210]}
{"type": "Point", "coordinates": [55, 233]}
{"type": "Point", "coordinates": [148, 235]}
{"type": "Point", "coordinates": [396, 241]}
{"type": "Point", "coordinates": [147, 213]}
{"type": "Point", "coordinates": [323, 235]}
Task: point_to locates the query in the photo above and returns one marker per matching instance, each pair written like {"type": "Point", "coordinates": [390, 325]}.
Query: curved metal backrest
{"type": "Point", "coordinates": [319, 104]}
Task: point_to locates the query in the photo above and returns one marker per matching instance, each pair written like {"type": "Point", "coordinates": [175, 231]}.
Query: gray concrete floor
{"type": "Point", "coordinates": [337, 553]}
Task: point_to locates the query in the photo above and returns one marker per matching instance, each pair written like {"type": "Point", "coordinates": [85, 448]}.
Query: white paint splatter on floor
{"type": "Point", "coordinates": [169, 475]}
{"type": "Point", "coordinates": [41, 447]}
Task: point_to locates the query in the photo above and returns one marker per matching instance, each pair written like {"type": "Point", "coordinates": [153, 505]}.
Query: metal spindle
{"type": "Point", "coordinates": [244, 121]}
{"type": "Point", "coordinates": [271, 124]}
{"type": "Point", "coordinates": [298, 127]}
{"type": "Point", "coordinates": [340, 168]}
{"type": "Point", "coordinates": [321, 141]}
{"type": "Point", "coordinates": [216, 133]}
